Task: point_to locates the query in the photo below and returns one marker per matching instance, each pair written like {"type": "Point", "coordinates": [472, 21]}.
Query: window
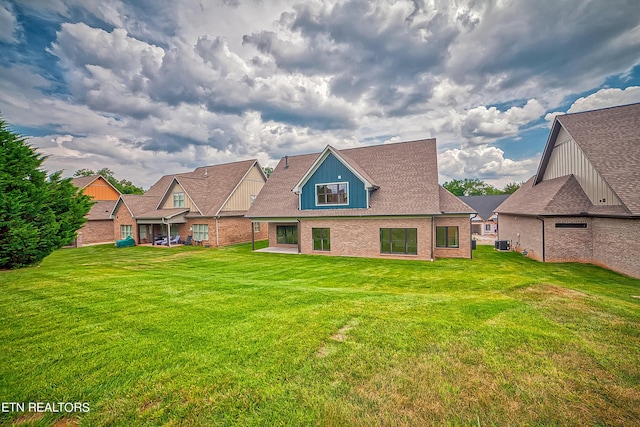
{"type": "Point", "coordinates": [143, 232]}
{"type": "Point", "coordinates": [571, 225]}
{"type": "Point", "coordinates": [126, 231]}
{"type": "Point", "coordinates": [256, 227]}
{"type": "Point", "coordinates": [321, 239]}
{"type": "Point", "coordinates": [487, 227]}
{"type": "Point", "coordinates": [178, 200]}
{"type": "Point", "coordinates": [287, 234]}
{"type": "Point", "coordinates": [399, 241]}
{"type": "Point", "coordinates": [200, 232]}
{"type": "Point", "coordinates": [252, 198]}
{"type": "Point", "coordinates": [332, 194]}
{"type": "Point", "coordinates": [447, 237]}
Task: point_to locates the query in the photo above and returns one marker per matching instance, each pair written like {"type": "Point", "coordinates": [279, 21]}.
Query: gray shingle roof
{"type": "Point", "coordinates": [610, 138]}
{"type": "Point", "coordinates": [101, 210]}
{"type": "Point", "coordinates": [406, 174]}
{"type": "Point", "coordinates": [209, 187]}
{"type": "Point", "coordinates": [485, 205]}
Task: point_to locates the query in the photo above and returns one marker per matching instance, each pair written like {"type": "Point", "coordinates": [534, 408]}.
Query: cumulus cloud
{"type": "Point", "coordinates": [606, 98]}
{"type": "Point", "coordinates": [484, 162]}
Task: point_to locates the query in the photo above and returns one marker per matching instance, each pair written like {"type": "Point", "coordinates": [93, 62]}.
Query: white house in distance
{"type": "Point", "coordinates": [584, 203]}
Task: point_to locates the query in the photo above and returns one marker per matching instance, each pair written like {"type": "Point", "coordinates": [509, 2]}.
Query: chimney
{"type": "Point", "coordinates": [286, 162]}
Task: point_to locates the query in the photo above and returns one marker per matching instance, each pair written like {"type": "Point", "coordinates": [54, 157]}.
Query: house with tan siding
{"type": "Point", "coordinates": [379, 201]}
{"type": "Point", "coordinates": [584, 202]}
{"type": "Point", "coordinates": [99, 225]}
{"type": "Point", "coordinates": [207, 204]}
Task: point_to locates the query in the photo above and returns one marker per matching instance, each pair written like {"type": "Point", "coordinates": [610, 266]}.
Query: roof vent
{"type": "Point", "coordinates": [286, 162]}
{"type": "Point", "coordinates": [206, 171]}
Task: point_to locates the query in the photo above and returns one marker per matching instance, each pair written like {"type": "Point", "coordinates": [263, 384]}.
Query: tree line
{"type": "Point", "coordinates": [477, 187]}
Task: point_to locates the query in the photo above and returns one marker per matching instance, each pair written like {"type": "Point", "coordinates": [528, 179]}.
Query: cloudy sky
{"type": "Point", "coordinates": [154, 87]}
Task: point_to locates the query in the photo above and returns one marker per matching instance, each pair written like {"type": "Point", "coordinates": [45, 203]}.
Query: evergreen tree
{"type": "Point", "coordinates": [38, 214]}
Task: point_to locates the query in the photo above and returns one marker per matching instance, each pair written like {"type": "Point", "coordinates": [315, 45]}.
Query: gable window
{"type": "Point", "coordinates": [252, 198]}
{"type": "Point", "coordinates": [399, 241]}
{"type": "Point", "coordinates": [332, 194]}
{"type": "Point", "coordinates": [178, 200]}
{"type": "Point", "coordinates": [447, 237]}
{"type": "Point", "coordinates": [126, 231]}
{"type": "Point", "coordinates": [287, 234]}
{"type": "Point", "coordinates": [321, 239]}
{"type": "Point", "coordinates": [200, 232]}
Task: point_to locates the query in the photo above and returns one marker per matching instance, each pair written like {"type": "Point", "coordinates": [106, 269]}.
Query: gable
{"type": "Point", "coordinates": [333, 172]}
{"type": "Point", "coordinates": [567, 158]}
{"type": "Point", "coordinates": [174, 189]}
{"type": "Point", "coordinates": [246, 191]}
{"type": "Point", "coordinates": [98, 188]}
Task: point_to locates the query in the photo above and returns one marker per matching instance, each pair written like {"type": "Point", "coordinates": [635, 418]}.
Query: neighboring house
{"type": "Point", "coordinates": [99, 225]}
{"type": "Point", "coordinates": [208, 204]}
{"type": "Point", "coordinates": [381, 201]}
{"type": "Point", "coordinates": [584, 203]}
{"type": "Point", "coordinates": [485, 223]}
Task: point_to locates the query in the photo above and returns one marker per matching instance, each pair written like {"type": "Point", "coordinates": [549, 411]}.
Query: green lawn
{"type": "Point", "coordinates": [195, 336]}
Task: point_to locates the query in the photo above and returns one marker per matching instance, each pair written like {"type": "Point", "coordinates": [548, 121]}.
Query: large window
{"type": "Point", "coordinates": [332, 194]}
{"type": "Point", "coordinates": [178, 200]}
{"type": "Point", "coordinates": [200, 232]}
{"type": "Point", "coordinates": [399, 241]}
{"type": "Point", "coordinates": [321, 239]}
{"type": "Point", "coordinates": [287, 234]}
{"type": "Point", "coordinates": [447, 237]}
{"type": "Point", "coordinates": [126, 231]}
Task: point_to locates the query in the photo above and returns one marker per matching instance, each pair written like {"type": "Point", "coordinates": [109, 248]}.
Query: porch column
{"type": "Point", "coordinates": [253, 236]}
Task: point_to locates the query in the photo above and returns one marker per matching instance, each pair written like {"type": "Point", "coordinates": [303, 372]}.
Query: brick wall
{"type": "Point", "coordinates": [568, 244]}
{"type": "Point", "coordinates": [360, 237]}
{"type": "Point", "coordinates": [97, 231]}
{"type": "Point", "coordinates": [524, 233]}
{"type": "Point", "coordinates": [123, 217]}
{"type": "Point", "coordinates": [238, 230]}
{"type": "Point", "coordinates": [464, 237]}
{"type": "Point", "coordinates": [616, 244]}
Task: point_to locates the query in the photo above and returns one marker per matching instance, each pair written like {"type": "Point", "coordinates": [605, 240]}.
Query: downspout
{"type": "Point", "coordinates": [299, 240]}
{"type": "Point", "coordinates": [432, 242]}
{"type": "Point", "coordinates": [543, 246]}
{"type": "Point", "coordinates": [471, 234]}
{"type": "Point", "coordinates": [217, 237]}
{"type": "Point", "coordinates": [253, 237]}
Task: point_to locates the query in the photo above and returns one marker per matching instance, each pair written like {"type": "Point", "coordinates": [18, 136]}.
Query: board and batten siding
{"type": "Point", "coordinates": [177, 188]}
{"type": "Point", "coordinates": [100, 189]}
{"type": "Point", "coordinates": [333, 171]}
{"type": "Point", "coordinates": [251, 185]}
{"type": "Point", "coordinates": [568, 158]}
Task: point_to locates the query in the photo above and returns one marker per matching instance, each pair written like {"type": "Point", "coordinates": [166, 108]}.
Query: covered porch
{"type": "Point", "coordinates": [161, 226]}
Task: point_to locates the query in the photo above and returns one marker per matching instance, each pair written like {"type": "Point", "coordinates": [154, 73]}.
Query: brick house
{"type": "Point", "coordinates": [208, 204]}
{"type": "Point", "coordinates": [381, 201]}
{"type": "Point", "coordinates": [485, 222]}
{"type": "Point", "coordinates": [99, 225]}
{"type": "Point", "coordinates": [583, 204]}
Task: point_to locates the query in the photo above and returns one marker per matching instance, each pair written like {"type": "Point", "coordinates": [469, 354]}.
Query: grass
{"type": "Point", "coordinates": [194, 336]}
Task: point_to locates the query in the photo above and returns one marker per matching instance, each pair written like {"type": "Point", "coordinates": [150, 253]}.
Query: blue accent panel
{"type": "Point", "coordinates": [328, 172]}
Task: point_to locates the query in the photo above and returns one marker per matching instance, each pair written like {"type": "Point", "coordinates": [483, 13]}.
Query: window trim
{"type": "Point", "coordinates": [345, 183]}
{"type": "Point", "coordinates": [123, 234]}
{"type": "Point", "coordinates": [406, 241]}
{"type": "Point", "coordinates": [177, 195]}
{"type": "Point", "coordinates": [294, 233]}
{"type": "Point", "coordinates": [321, 239]}
{"type": "Point", "coordinates": [202, 230]}
{"type": "Point", "coordinates": [446, 236]}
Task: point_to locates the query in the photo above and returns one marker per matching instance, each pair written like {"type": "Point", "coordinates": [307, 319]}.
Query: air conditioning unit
{"type": "Point", "coordinates": [503, 245]}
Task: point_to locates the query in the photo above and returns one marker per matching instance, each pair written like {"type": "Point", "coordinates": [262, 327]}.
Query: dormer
{"type": "Point", "coordinates": [334, 181]}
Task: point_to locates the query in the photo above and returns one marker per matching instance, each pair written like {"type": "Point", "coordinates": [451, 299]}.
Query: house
{"type": "Point", "coordinates": [208, 204]}
{"type": "Point", "coordinates": [380, 201]}
{"type": "Point", "coordinates": [485, 223]}
{"type": "Point", "coordinates": [583, 204]}
{"type": "Point", "coordinates": [99, 225]}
